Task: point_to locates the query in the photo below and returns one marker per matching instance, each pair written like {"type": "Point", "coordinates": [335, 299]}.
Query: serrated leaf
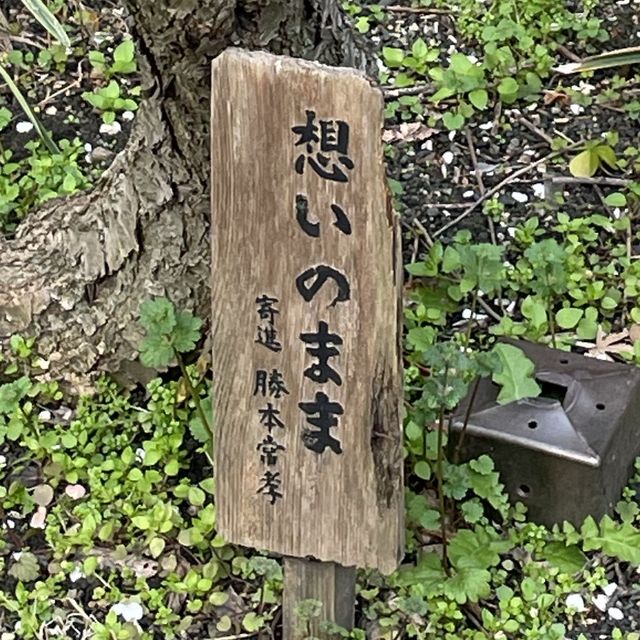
{"type": "Point", "coordinates": [516, 376]}
{"type": "Point", "coordinates": [25, 568]}
{"type": "Point", "coordinates": [156, 351]}
{"type": "Point", "coordinates": [621, 541]}
{"type": "Point", "coordinates": [11, 393]}
{"type": "Point", "coordinates": [468, 584]}
{"type": "Point", "coordinates": [158, 315]}
{"type": "Point", "coordinates": [569, 559]}
{"type": "Point", "coordinates": [186, 332]}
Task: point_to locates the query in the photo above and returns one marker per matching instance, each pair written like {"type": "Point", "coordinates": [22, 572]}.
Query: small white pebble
{"type": "Point", "coordinates": [428, 145]}
{"type": "Point", "coordinates": [128, 611]}
{"type": "Point", "coordinates": [51, 111]}
{"type": "Point", "coordinates": [512, 232]}
{"type": "Point", "coordinates": [468, 194]}
{"type": "Point", "coordinates": [443, 170]}
{"type": "Point", "coordinates": [615, 613]}
{"type": "Point", "coordinates": [538, 190]}
{"type": "Point", "coordinates": [24, 126]}
{"type": "Point", "coordinates": [11, 524]}
{"type": "Point", "coordinates": [575, 601]}
{"type": "Point", "coordinates": [447, 157]}
{"type": "Point", "coordinates": [486, 126]}
{"type": "Point", "coordinates": [576, 109]}
{"type": "Point", "coordinates": [88, 147]}
{"type": "Point", "coordinates": [76, 574]}
{"type": "Point", "coordinates": [111, 129]}
{"type": "Point", "coordinates": [519, 197]}
{"type": "Point", "coordinates": [601, 601]}
{"type": "Point", "coordinates": [452, 135]}
{"type": "Point", "coordinates": [140, 453]}
{"type": "Point", "coordinates": [610, 589]}
{"type": "Point", "coordinates": [3, 460]}
{"type": "Point", "coordinates": [128, 115]}
{"type": "Point", "coordinates": [44, 416]}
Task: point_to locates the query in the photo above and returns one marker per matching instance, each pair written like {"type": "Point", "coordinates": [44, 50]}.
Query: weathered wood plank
{"type": "Point", "coordinates": [328, 583]}
{"type": "Point", "coordinates": [339, 502]}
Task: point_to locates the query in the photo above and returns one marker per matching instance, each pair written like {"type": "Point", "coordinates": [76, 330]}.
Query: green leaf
{"type": "Point", "coordinates": [516, 377]}
{"type": "Point", "coordinates": [442, 94]}
{"type": "Point", "coordinates": [11, 393]}
{"type": "Point", "coordinates": [252, 622]}
{"type": "Point", "coordinates": [568, 317]}
{"type": "Point", "coordinates": [616, 199]}
{"type": "Point", "coordinates": [156, 351]}
{"type": "Point", "coordinates": [124, 52]}
{"type": "Point", "coordinates": [420, 338]}
{"type": "Point", "coordinates": [621, 541]}
{"type": "Point", "coordinates": [393, 57]}
{"type": "Point", "coordinates": [615, 58]}
{"type": "Point", "coordinates": [419, 49]}
{"type": "Point", "coordinates": [468, 584]}
{"type": "Point", "coordinates": [452, 120]}
{"type": "Point", "coordinates": [534, 309]}
{"type": "Point", "coordinates": [42, 14]}
{"type": "Point", "coordinates": [25, 568]}
{"type": "Point", "coordinates": [568, 558]}
{"type": "Point", "coordinates": [422, 469]}
{"type": "Point", "coordinates": [158, 315]}
{"type": "Point", "coordinates": [508, 89]}
{"type": "Point", "coordinates": [186, 332]}
{"type": "Point", "coordinates": [585, 164]}
{"type": "Point", "coordinates": [156, 547]}
{"type": "Point", "coordinates": [607, 155]}
{"type": "Point", "coordinates": [479, 98]}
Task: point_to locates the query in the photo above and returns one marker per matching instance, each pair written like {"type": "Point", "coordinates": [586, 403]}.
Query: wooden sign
{"type": "Point", "coordinates": [306, 314]}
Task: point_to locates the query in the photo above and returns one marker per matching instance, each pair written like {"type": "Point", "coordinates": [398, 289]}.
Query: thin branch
{"type": "Point", "coordinates": [422, 10]}
{"type": "Point", "coordinates": [603, 181]}
{"type": "Point", "coordinates": [503, 183]}
{"type": "Point", "coordinates": [391, 92]}
{"type": "Point", "coordinates": [532, 127]}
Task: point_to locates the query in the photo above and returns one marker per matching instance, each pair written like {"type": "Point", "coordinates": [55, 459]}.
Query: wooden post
{"type": "Point", "coordinates": [329, 583]}
{"type": "Point", "coordinates": [306, 323]}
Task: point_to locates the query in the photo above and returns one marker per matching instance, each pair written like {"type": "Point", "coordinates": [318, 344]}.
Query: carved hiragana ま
{"type": "Point", "coordinates": [322, 414]}
{"type": "Point", "coordinates": [320, 371]}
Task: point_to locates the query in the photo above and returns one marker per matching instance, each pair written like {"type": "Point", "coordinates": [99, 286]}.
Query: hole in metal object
{"type": "Point", "coordinates": [532, 424]}
{"type": "Point", "coordinates": [600, 406]}
{"type": "Point", "coordinates": [564, 361]}
{"type": "Point", "coordinates": [524, 490]}
{"type": "Point", "coordinates": [552, 391]}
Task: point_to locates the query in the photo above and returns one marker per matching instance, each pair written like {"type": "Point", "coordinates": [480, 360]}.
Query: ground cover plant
{"type": "Point", "coordinates": [518, 192]}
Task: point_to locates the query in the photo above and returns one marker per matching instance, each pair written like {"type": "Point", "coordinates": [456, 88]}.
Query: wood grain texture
{"type": "Point", "coordinates": [345, 508]}
{"type": "Point", "coordinates": [326, 582]}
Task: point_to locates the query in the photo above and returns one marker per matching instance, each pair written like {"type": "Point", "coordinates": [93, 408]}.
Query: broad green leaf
{"type": "Point", "coordinates": [568, 317]}
{"type": "Point", "coordinates": [508, 89]}
{"type": "Point", "coordinates": [124, 52]}
{"type": "Point", "coordinates": [534, 309]}
{"type": "Point", "coordinates": [516, 376]}
{"type": "Point", "coordinates": [585, 164]}
{"type": "Point", "coordinates": [12, 392]}
{"type": "Point", "coordinates": [156, 351]}
{"type": "Point", "coordinates": [42, 14]}
{"type": "Point", "coordinates": [616, 199]}
{"type": "Point", "coordinates": [111, 91]}
{"type": "Point", "coordinates": [156, 546]}
{"type": "Point", "coordinates": [468, 584]}
{"type": "Point", "coordinates": [452, 120]}
{"type": "Point", "coordinates": [392, 56]}
{"type": "Point", "coordinates": [442, 94]}
{"type": "Point", "coordinates": [621, 541]}
{"type": "Point", "coordinates": [568, 558]}
{"type": "Point", "coordinates": [422, 469]}
{"type": "Point", "coordinates": [419, 49]}
{"type": "Point", "coordinates": [607, 155]}
{"type": "Point", "coordinates": [252, 622]}
{"type": "Point", "coordinates": [479, 98]}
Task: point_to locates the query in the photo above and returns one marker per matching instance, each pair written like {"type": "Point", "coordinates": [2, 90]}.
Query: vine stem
{"type": "Point", "coordinates": [192, 391]}
{"type": "Point", "coordinates": [440, 478]}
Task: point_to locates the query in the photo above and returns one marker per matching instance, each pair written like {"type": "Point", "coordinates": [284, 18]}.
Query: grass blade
{"type": "Point", "coordinates": [42, 14]}
{"type": "Point", "coordinates": [22, 101]}
{"type": "Point", "coordinates": [616, 58]}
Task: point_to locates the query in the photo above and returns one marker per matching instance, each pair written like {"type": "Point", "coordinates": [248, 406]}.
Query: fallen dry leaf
{"type": "Point", "coordinates": [606, 344]}
{"type": "Point", "coordinates": [408, 132]}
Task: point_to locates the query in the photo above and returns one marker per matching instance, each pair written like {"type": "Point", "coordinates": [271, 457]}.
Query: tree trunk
{"type": "Point", "coordinates": [77, 270]}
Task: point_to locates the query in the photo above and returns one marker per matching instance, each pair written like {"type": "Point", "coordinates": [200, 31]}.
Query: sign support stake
{"type": "Point", "coordinates": [327, 582]}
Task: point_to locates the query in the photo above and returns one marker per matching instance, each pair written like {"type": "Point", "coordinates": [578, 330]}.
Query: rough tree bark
{"type": "Point", "coordinates": [77, 270]}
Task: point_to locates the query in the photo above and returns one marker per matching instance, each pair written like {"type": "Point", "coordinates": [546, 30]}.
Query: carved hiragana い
{"type": "Point", "coordinates": [322, 414]}
{"type": "Point", "coordinates": [269, 450]}
{"type": "Point", "coordinates": [269, 417]}
{"type": "Point", "coordinates": [313, 228]}
{"type": "Point", "coordinates": [320, 275]}
{"type": "Point", "coordinates": [333, 139]}
{"type": "Point", "coordinates": [271, 483]}
{"type": "Point", "coordinates": [320, 371]}
{"type": "Point", "coordinates": [270, 383]}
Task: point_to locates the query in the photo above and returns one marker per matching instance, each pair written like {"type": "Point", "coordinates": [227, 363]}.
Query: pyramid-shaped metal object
{"type": "Point", "coordinates": [568, 453]}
